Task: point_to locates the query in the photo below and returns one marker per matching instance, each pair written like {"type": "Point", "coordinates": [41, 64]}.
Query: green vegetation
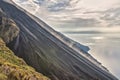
{"type": "Point", "coordinates": [14, 68]}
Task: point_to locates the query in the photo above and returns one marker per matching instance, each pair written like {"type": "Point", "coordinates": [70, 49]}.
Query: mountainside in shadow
{"type": "Point", "coordinates": [12, 67]}
{"type": "Point", "coordinates": [48, 51]}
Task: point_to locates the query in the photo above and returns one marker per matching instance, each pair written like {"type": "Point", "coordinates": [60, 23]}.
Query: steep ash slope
{"type": "Point", "coordinates": [47, 51]}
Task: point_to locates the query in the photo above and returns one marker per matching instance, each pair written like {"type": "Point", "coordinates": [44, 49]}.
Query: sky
{"type": "Point", "coordinates": [79, 13]}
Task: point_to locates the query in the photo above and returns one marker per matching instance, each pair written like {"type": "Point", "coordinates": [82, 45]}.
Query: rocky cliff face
{"type": "Point", "coordinates": [8, 28]}
{"type": "Point", "coordinates": [48, 51]}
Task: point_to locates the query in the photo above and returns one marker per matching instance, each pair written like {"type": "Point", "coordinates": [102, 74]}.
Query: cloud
{"type": "Point", "coordinates": [75, 12]}
{"type": "Point", "coordinates": [112, 16]}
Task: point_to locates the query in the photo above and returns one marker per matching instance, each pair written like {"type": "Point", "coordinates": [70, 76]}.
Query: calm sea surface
{"type": "Point", "coordinates": [104, 44]}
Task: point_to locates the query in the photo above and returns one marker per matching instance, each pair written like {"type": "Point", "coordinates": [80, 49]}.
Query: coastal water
{"type": "Point", "coordinates": [104, 44]}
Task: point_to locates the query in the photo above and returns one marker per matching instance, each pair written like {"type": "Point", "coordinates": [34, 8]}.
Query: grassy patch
{"type": "Point", "coordinates": [14, 68]}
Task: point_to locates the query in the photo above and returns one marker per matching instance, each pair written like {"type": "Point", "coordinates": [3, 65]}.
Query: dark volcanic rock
{"type": "Point", "coordinates": [8, 28]}
{"type": "Point", "coordinates": [48, 52]}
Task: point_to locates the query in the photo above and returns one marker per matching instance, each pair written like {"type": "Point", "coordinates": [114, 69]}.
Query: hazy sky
{"type": "Point", "coordinates": [98, 5]}
{"type": "Point", "coordinates": [79, 13]}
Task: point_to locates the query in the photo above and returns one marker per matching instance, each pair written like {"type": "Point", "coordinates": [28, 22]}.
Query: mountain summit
{"type": "Point", "coordinates": [48, 51]}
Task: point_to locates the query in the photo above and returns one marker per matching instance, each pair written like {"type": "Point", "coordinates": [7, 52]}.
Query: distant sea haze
{"type": "Point", "coordinates": [104, 46]}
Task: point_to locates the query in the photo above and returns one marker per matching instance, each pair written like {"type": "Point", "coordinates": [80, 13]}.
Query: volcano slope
{"type": "Point", "coordinates": [48, 51]}
{"type": "Point", "coordinates": [12, 67]}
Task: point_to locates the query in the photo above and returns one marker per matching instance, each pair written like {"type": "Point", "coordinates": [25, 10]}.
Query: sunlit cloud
{"type": "Point", "coordinates": [103, 13]}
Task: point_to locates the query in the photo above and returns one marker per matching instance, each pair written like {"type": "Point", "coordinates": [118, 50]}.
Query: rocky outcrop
{"type": "Point", "coordinates": [8, 28]}
{"type": "Point", "coordinates": [48, 52]}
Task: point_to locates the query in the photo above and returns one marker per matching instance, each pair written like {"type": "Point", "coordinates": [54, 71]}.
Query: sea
{"type": "Point", "coordinates": [104, 44]}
